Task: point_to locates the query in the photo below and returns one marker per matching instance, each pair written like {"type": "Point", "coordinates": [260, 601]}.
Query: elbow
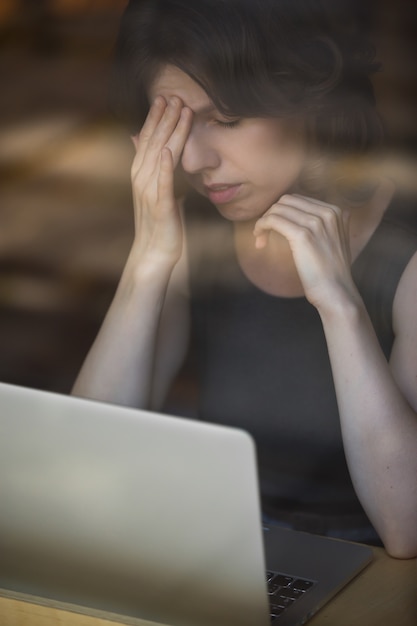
{"type": "Point", "coordinates": [398, 529]}
{"type": "Point", "coordinates": [400, 545]}
{"type": "Point", "coordinates": [400, 551]}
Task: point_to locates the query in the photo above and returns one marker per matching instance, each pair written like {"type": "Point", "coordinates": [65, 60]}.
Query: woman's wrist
{"type": "Point", "coordinates": [345, 306]}
{"type": "Point", "coordinates": [147, 270]}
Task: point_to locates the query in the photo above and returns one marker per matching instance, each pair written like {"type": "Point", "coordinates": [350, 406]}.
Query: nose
{"type": "Point", "coordinates": [199, 153]}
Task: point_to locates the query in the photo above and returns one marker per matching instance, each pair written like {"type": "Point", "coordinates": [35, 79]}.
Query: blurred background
{"type": "Point", "coordinates": [65, 202]}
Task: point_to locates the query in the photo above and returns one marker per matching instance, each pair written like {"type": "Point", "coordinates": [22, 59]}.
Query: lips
{"type": "Point", "coordinates": [221, 193]}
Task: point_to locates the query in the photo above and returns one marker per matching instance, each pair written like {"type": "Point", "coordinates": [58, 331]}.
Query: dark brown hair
{"type": "Point", "coordinates": [257, 58]}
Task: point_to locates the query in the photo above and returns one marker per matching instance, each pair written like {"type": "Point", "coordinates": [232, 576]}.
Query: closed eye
{"type": "Point", "coordinates": [228, 123]}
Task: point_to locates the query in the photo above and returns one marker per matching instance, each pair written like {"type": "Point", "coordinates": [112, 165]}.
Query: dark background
{"type": "Point", "coordinates": [65, 202]}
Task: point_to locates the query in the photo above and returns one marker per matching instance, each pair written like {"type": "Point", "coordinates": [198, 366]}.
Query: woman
{"type": "Point", "coordinates": [277, 262]}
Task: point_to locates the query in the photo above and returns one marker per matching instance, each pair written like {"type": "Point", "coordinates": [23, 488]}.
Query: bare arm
{"type": "Point", "coordinates": [377, 405]}
{"type": "Point", "coordinates": [127, 353]}
{"type": "Point", "coordinates": [377, 401]}
{"type": "Point", "coordinates": [130, 362]}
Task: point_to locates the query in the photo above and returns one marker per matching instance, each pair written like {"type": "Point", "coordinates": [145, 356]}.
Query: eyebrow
{"type": "Point", "coordinates": [209, 109]}
{"type": "Point", "coordinates": [204, 110]}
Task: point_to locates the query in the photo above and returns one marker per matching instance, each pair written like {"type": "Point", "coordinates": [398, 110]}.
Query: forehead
{"type": "Point", "coordinates": [171, 81]}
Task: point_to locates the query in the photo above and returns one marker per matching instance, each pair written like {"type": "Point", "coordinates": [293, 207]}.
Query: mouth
{"type": "Point", "coordinates": [221, 193]}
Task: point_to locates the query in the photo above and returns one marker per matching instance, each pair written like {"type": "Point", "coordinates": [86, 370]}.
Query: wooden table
{"type": "Point", "coordinates": [384, 594]}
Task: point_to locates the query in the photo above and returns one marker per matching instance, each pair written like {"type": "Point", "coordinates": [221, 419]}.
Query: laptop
{"type": "Point", "coordinates": [132, 515]}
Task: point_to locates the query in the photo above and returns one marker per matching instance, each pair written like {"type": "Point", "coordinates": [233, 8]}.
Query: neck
{"type": "Point", "coordinates": [271, 269]}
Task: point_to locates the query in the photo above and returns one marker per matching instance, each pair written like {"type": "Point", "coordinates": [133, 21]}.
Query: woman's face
{"type": "Point", "coordinates": [242, 165]}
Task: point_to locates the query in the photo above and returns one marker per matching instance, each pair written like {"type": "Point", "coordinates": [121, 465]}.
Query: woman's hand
{"type": "Point", "coordinates": [128, 364]}
{"type": "Point", "coordinates": [317, 234]}
{"type": "Point", "coordinates": [158, 228]}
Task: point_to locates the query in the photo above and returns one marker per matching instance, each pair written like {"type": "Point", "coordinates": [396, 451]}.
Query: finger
{"type": "Point", "coordinates": [166, 179]}
{"type": "Point", "coordinates": [310, 205]}
{"type": "Point", "coordinates": [141, 140]}
{"type": "Point", "coordinates": [172, 132]}
{"type": "Point", "coordinates": [277, 222]}
{"type": "Point", "coordinates": [296, 218]}
{"type": "Point", "coordinates": [178, 138]}
{"type": "Point", "coordinates": [153, 118]}
{"type": "Point", "coordinates": [164, 129]}
{"type": "Point", "coordinates": [261, 240]}
{"type": "Point", "coordinates": [279, 214]}
{"type": "Point", "coordinates": [146, 162]}
{"type": "Point", "coordinates": [308, 231]}
{"type": "Point", "coordinates": [318, 216]}
{"type": "Point", "coordinates": [317, 224]}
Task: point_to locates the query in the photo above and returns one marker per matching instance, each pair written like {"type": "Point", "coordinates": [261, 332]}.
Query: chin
{"type": "Point", "coordinates": [240, 210]}
{"type": "Point", "coordinates": [233, 214]}
{"type": "Point", "coordinates": [238, 213]}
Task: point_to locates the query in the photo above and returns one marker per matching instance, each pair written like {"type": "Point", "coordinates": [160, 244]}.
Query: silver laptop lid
{"type": "Point", "coordinates": [127, 511]}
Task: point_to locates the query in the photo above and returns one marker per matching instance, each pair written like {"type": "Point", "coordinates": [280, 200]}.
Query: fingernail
{"type": "Point", "coordinates": [185, 111]}
{"type": "Point", "coordinates": [260, 240]}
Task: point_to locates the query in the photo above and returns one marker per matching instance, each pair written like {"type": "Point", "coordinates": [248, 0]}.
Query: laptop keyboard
{"type": "Point", "coordinates": [283, 591]}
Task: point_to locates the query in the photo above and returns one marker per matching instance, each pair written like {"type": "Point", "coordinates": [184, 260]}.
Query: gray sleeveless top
{"type": "Point", "coordinates": [263, 366]}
